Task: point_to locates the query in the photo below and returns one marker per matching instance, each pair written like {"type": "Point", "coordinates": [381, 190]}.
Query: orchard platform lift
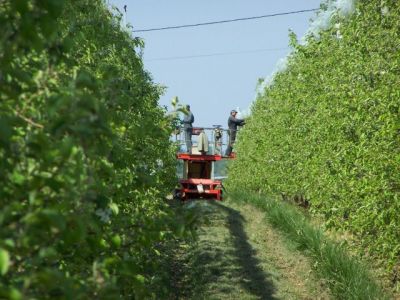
{"type": "Point", "coordinates": [201, 173]}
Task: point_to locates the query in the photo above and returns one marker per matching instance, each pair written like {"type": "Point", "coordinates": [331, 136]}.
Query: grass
{"type": "Point", "coordinates": [222, 264]}
{"type": "Point", "coordinates": [240, 256]}
{"type": "Point", "coordinates": [347, 277]}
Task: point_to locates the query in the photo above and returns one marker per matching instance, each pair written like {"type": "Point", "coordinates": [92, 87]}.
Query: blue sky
{"type": "Point", "coordinates": [215, 84]}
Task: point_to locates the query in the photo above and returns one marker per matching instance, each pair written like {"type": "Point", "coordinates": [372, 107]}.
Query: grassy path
{"type": "Point", "coordinates": [238, 256]}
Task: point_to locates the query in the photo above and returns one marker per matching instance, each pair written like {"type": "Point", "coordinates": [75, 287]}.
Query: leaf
{"type": "Point", "coordinates": [114, 208]}
{"type": "Point", "coordinates": [116, 240]}
{"type": "Point", "coordinates": [15, 294]}
{"type": "Point", "coordinates": [140, 278]}
{"type": "Point", "coordinates": [17, 178]}
{"type": "Point", "coordinates": [174, 101]}
{"type": "Point", "coordinates": [4, 261]}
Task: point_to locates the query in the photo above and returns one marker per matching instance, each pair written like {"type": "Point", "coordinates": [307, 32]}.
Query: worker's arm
{"type": "Point", "coordinates": [236, 121]}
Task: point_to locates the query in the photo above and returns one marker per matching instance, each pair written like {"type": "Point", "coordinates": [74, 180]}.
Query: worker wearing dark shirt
{"type": "Point", "coordinates": [233, 124]}
{"type": "Point", "coordinates": [188, 120]}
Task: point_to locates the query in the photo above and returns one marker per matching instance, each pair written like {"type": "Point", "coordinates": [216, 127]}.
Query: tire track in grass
{"type": "Point", "coordinates": [238, 256]}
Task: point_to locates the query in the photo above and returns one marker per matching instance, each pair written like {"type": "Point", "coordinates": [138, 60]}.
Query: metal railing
{"type": "Point", "coordinates": [218, 139]}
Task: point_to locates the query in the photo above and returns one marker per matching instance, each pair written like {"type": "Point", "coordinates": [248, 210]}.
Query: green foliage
{"type": "Point", "coordinates": [327, 129]}
{"type": "Point", "coordinates": [4, 261]}
{"type": "Point", "coordinates": [85, 157]}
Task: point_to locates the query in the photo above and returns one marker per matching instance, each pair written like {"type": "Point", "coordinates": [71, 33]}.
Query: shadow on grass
{"type": "Point", "coordinates": [219, 264]}
{"type": "Point", "coordinates": [254, 279]}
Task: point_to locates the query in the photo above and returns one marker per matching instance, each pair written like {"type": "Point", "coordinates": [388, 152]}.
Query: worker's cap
{"type": "Point", "coordinates": [233, 111]}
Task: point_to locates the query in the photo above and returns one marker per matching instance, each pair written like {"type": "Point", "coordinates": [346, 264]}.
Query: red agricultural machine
{"type": "Point", "coordinates": [202, 171]}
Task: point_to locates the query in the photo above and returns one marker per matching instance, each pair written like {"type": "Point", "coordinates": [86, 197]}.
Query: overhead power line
{"type": "Point", "coordinates": [216, 54]}
{"type": "Point", "coordinates": [227, 21]}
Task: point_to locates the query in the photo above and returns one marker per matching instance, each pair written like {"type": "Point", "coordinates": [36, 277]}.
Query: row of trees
{"type": "Point", "coordinates": [327, 129]}
{"type": "Point", "coordinates": [85, 157]}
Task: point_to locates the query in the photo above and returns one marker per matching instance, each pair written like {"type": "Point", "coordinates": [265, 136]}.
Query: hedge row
{"type": "Point", "coordinates": [85, 157]}
{"type": "Point", "coordinates": [327, 129]}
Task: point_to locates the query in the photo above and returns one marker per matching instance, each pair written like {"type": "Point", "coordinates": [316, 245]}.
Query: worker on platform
{"type": "Point", "coordinates": [233, 124]}
{"type": "Point", "coordinates": [188, 120]}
